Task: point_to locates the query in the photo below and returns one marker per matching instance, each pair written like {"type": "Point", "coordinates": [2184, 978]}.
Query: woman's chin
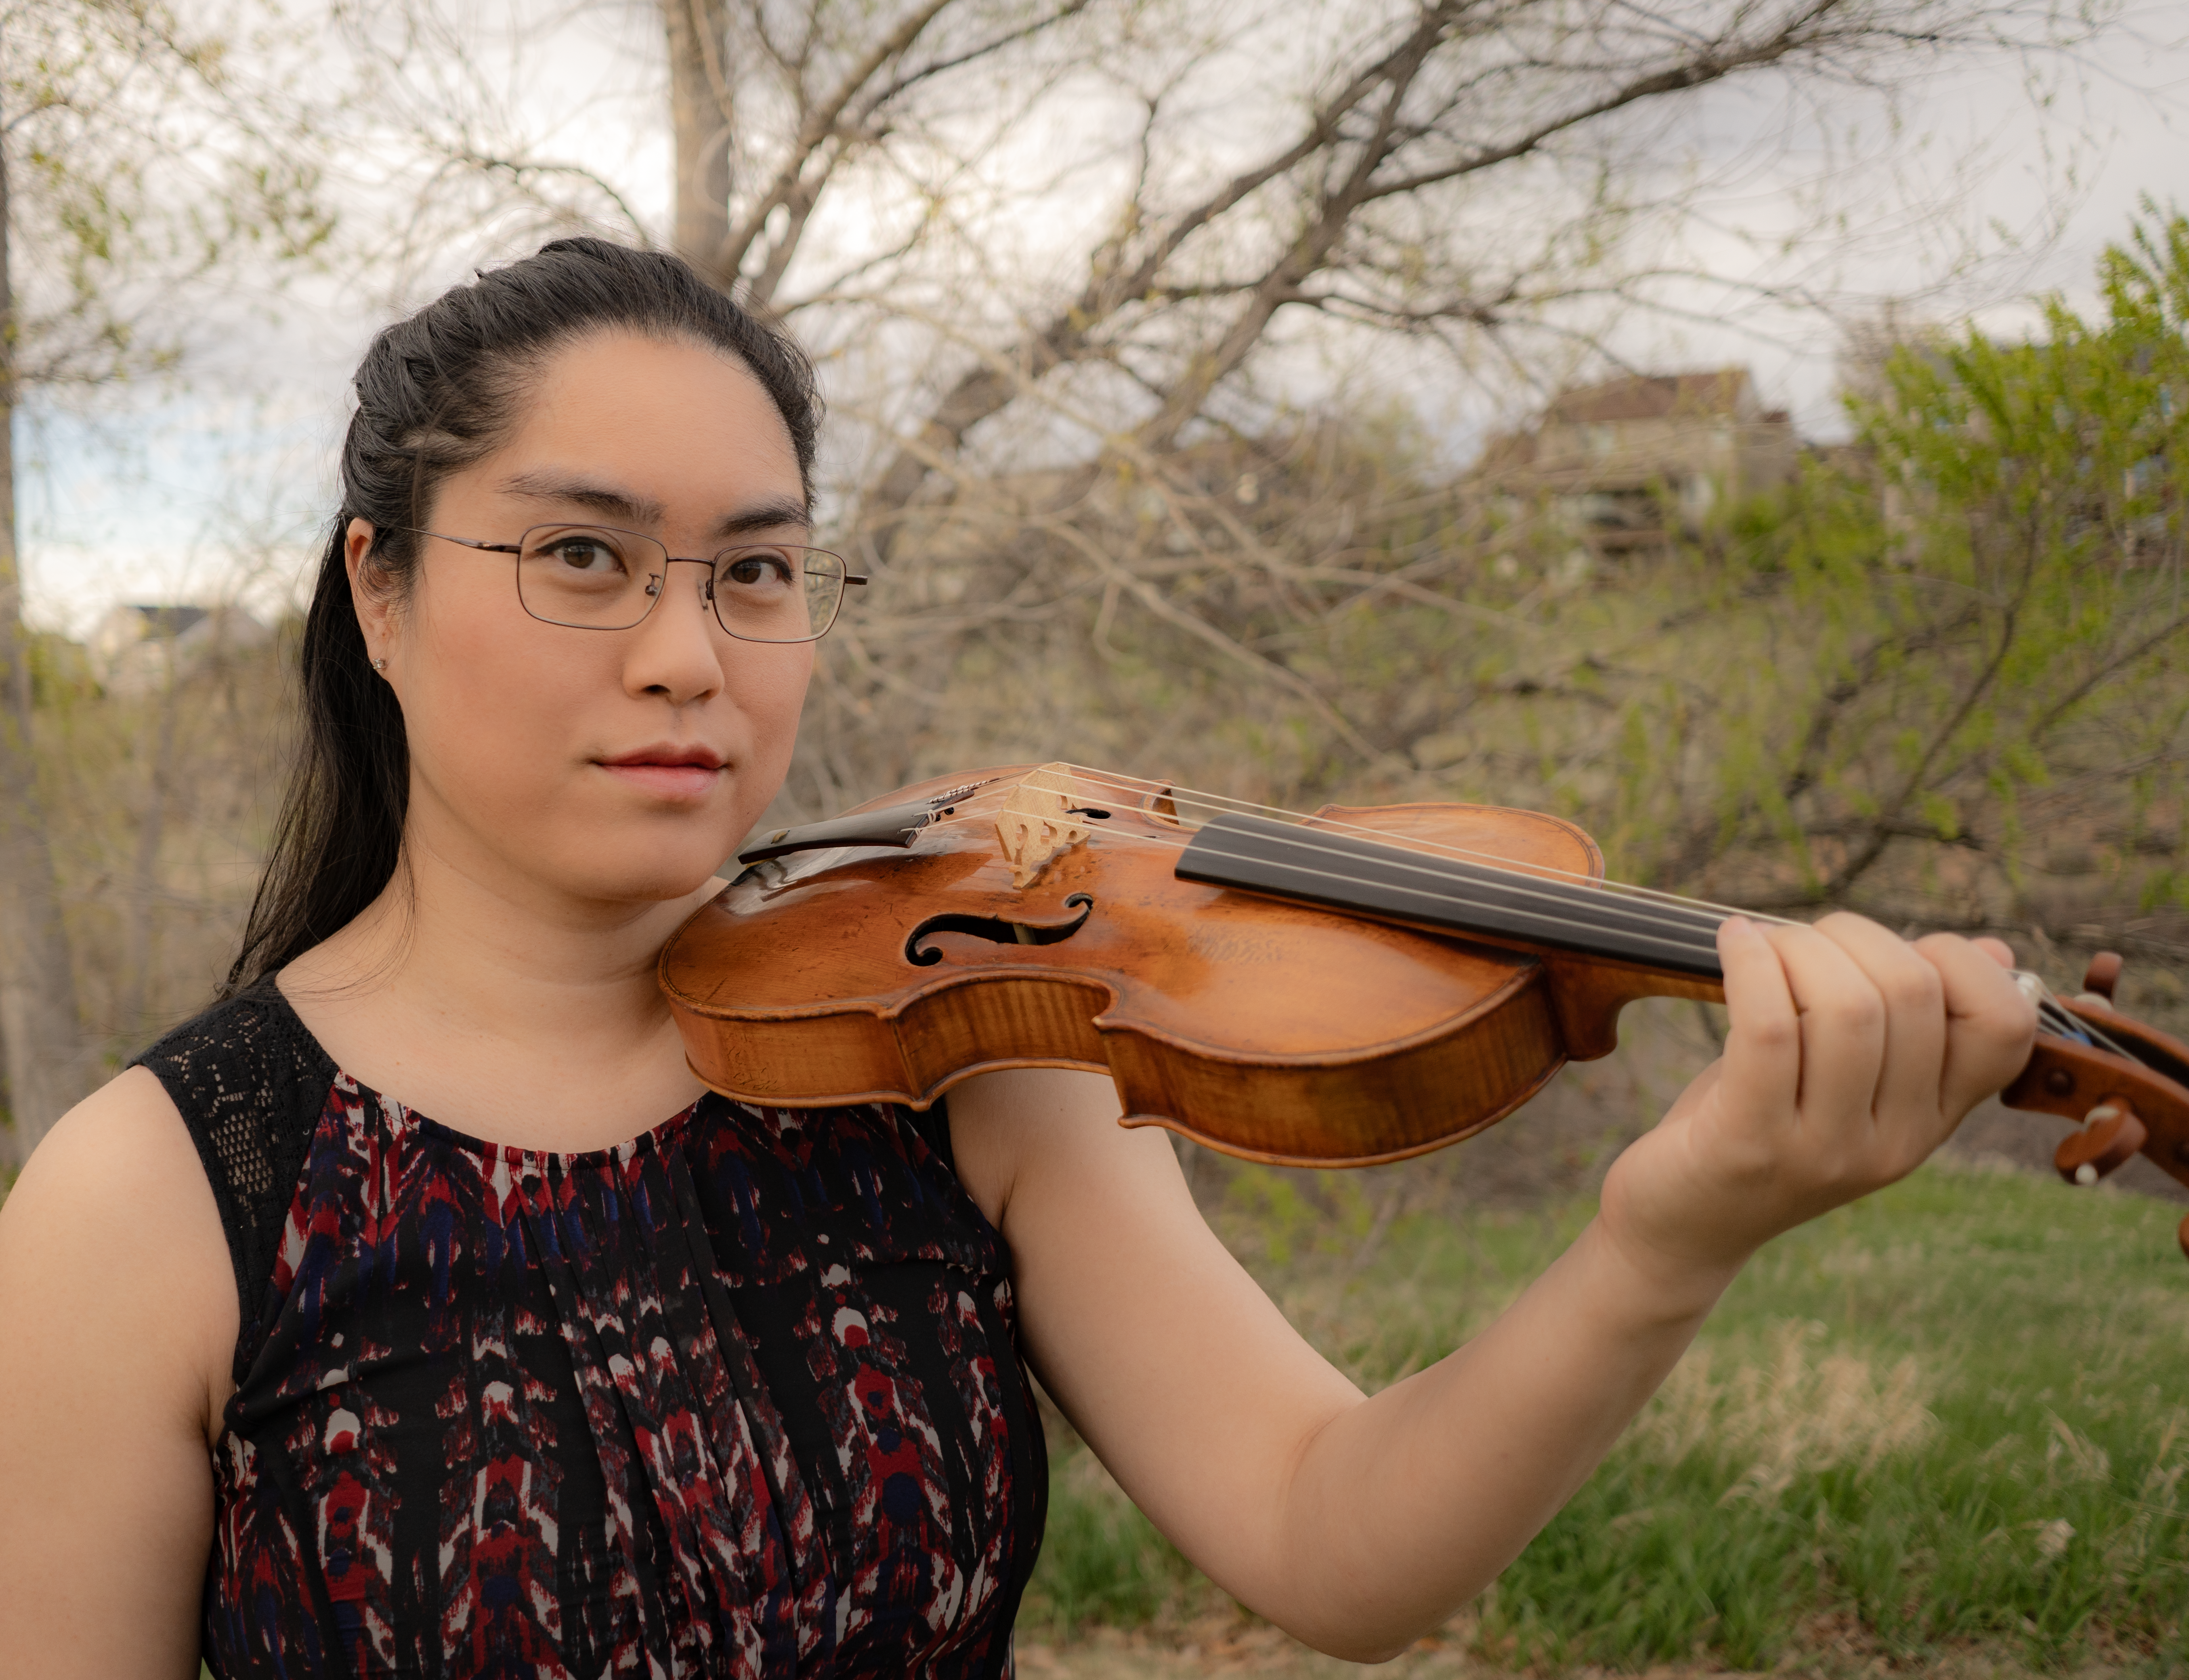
{"type": "Point", "coordinates": [660, 882]}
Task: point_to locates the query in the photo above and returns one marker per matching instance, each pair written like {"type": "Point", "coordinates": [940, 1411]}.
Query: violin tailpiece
{"type": "Point", "coordinates": [1034, 824]}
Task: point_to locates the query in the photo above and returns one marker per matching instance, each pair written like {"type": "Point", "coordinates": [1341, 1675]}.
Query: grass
{"type": "Point", "coordinates": [1953, 1415]}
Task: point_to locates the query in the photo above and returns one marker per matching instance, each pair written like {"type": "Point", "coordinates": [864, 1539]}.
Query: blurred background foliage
{"type": "Point", "coordinates": [162, 801]}
{"type": "Point", "coordinates": [1936, 677]}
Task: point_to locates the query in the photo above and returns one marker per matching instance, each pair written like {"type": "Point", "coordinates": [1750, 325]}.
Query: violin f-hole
{"type": "Point", "coordinates": [996, 929]}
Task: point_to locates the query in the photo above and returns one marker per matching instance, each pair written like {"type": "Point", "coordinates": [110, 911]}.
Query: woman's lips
{"type": "Point", "coordinates": [686, 780]}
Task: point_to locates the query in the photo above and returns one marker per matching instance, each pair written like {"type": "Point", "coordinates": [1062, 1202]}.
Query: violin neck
{"type": "Point", "coordinates": [1602, 948]}
{"type": "Point", "coordinates": [1510, 907]}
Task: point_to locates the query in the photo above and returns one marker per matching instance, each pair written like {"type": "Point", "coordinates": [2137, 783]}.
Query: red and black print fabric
{"type": "Point", "coordinates": [739, 1398]}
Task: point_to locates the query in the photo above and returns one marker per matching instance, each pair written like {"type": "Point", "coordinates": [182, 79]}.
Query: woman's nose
{"type": "Point", "coordinates": [677, 648]}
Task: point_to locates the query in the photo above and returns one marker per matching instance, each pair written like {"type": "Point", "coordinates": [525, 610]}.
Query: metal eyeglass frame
{"type": "Point", "coordinates": [713, 609]}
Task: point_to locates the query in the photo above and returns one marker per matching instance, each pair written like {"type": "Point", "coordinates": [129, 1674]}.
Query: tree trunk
{"type": "Point", "coordinates": [145, 873]}
{"type": "Point", "coordinates": [699, 113]}
{"type": "Point", "coordinates": [38, 1023]}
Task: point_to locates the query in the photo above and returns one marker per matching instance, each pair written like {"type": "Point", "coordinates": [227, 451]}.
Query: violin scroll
{"type": "Point", "coordinates": [2124, 1084]}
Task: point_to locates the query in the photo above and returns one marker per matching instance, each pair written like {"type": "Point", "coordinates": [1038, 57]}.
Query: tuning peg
{"type": "Point", "coordinates": [2103, 974]}
{"type": "Point", "coordinates": [2111, 1133]}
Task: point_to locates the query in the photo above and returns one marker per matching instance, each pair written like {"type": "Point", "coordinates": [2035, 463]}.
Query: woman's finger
{"type": "Point", "coordinates": [1761, 1071]}
{"type": "Point", "coordinates": [1843, 1025]}
{"type": "Point", "coordinates": [1989, 1023]}
{"type": "Point", "coordinates": [1913, 996]}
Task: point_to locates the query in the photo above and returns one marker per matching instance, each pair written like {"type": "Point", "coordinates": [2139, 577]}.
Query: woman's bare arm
{"type": "Point", "coordinates": [118, 1322]}
{"type": "Point", "coordinates": [1360, 1524]}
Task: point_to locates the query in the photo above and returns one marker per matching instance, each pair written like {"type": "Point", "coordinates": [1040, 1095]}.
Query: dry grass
{"type": "Point", "coordinates": [1804, 1408]}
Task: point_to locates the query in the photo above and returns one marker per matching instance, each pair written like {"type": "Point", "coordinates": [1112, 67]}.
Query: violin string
{"type": "Point", "coordinates": [2063, 1022]}
{"type": "Point", "coordinates": [1693, 916]}
{"type": "Point", "coordinates": [1624, 892]}
{"type": "Point", "coordinates": [1675, 930]}
{"type": "Point", "coordinates": [1677, 918]}
{"type": "Point", "coordinates": [1595, 883]}
{"type": "Point", "coordinates": [1681, 935]}
{"type": "Point", "coordinates": [1423, 843]}
{"type": "Point", "coordinates": [1695, 948]}
{"type": "Point", "coordinates": [1222, 804]}
{"type": "Point", "coordinates": [1555, 890]}
{"type": "Point", "coordinates": [2069, 1025]}
{"type": "Point", "coordinates": [1555, 894]}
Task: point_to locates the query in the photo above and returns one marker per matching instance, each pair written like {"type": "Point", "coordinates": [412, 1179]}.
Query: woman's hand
{"type": "Point", "coordinates": [1852, 1055]}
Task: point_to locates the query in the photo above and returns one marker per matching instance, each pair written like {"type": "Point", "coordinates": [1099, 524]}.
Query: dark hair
{"type": "Point", "coordinates": [436, 393]}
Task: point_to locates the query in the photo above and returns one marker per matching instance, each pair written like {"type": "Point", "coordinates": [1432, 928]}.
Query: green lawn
{"type": "Point", "coordinates": [1957, 1413]}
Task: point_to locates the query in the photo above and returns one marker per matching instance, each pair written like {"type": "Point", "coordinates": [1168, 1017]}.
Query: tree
{"type": "Point", "coordinates": [138, 160]}
{"type": "Point", "coordinates": [1375, 192]}
{"type": "Point", "coordinates": [1484, 177]}
{"type": "Point", "coordinates": [1940, 680]}
{"type": "Point", "coordinates": [1995, 688]}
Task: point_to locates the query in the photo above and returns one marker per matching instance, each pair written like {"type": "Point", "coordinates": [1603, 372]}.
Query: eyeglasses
{"type": "Point", "coordinates": [594, 577]}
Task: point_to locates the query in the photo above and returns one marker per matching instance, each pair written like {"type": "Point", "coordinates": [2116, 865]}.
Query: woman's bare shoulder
{"type": "Point", "coordinates": [113, 1219]}
{"type": "Point", "coordinates": [125, 1136]}
{"type": "Point", "coordinates": [117, 1326]}
{"type": "Point", "coordinates": [997, 1120]}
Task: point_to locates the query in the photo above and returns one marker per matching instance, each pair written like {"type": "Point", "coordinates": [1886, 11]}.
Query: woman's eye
{"type": "Point", "coordinates": [585, 554]}
{"type": "Point", "coordinates": [763, 570]}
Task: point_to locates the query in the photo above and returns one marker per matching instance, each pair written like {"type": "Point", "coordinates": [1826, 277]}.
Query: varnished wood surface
{"type": "Point", "coordinates": [1279, 1031]}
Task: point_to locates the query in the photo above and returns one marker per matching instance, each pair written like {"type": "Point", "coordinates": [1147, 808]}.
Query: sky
{"type": "Point", "coordinates": [215, 488]}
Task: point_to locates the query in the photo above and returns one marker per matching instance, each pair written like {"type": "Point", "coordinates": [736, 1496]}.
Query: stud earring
{"type": "Point", "coordinates": [380, 664]}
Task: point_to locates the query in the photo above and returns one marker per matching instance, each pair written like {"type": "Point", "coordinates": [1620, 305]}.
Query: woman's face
{"type": "Point", "coordinates": [603, 765]}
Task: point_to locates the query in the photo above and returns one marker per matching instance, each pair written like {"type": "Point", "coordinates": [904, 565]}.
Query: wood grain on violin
{"type": "Point", "coordinates": [1282, 1031]}
{"type": "Point", "coordinates": [1355, 986]}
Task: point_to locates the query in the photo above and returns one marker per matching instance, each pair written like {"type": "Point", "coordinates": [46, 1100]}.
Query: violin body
{"type": "Point", "coordinates": [1280, 1032]}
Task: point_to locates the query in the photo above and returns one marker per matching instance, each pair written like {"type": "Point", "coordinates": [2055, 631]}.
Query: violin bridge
{"type": "Point", "coordinates": [1034, 825]}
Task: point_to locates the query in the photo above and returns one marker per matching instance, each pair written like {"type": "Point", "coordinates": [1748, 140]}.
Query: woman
{"type": "Point", "coordinates": [593, 1372]}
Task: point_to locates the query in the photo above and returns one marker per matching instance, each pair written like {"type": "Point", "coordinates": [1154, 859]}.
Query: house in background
{"type": "Point", "coordinates": [1626, 463]}
{"type": "Point", "coordinates": [138, 648]}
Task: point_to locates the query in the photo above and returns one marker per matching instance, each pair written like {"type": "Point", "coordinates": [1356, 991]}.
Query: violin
{"type": "Point", "coordinates": [1346, 987]}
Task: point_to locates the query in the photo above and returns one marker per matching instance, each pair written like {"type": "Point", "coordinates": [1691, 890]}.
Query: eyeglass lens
{"type": "Point", "coordinates": [596, 579]}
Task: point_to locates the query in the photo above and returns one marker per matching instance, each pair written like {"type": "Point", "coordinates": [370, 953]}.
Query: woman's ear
{"type": "Point", "coordinates": [373, 601]}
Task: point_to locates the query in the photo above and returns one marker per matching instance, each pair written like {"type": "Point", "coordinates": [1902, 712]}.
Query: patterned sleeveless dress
{"type": "Point", "coordinates": [738, 1398]}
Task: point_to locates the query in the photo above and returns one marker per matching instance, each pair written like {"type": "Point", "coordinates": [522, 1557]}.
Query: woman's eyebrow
{"type": "Point", "coordinates": [765, 515]}
{"type": "Point", "coordinates": [641, 512]}
{"type": "Point", "coordinates": [601, 498]}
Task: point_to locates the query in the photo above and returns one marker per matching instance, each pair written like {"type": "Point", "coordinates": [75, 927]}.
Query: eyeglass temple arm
{"type": "Point", "coordinates": [463, 542]}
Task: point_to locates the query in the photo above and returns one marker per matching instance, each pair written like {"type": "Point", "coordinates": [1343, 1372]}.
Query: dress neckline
{"type": "Point", "coordinates": [653, 1137]}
